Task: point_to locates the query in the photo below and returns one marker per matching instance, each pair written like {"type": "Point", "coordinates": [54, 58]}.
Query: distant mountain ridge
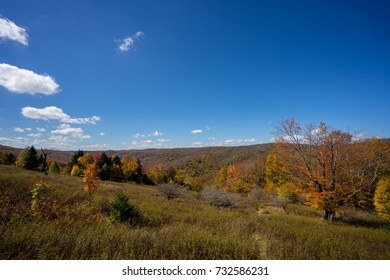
{"type": "Point", "coordinates": [174, 157]}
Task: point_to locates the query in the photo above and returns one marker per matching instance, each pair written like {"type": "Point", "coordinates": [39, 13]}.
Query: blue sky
{"type": "Point", "coordinates": [156, 74]}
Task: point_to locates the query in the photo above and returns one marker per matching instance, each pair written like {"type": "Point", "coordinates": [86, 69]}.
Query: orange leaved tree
{"type": "Point", "coordinates": [329, 167]}
{"type": "Point", "coordinates": [90, 177]}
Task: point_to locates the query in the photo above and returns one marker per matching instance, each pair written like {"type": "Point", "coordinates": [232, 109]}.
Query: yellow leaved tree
{"type": "Point", "coordinates": [90, 179]}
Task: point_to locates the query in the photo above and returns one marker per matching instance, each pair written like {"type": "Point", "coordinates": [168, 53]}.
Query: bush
{"type": "Point", "coordinates": [38, 194]}
{"type": "Point", "coordinates": [256, 194]}
{"type": "Point", "coordinates": [122, 210]}
{"type": "Point", "coordinates": [218, 197]}
{"type": "Point", "coordinates": [170, 191]}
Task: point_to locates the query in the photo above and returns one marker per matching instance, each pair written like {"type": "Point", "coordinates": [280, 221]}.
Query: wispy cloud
{"type": "Point", "coordinates": [227, 142]}
{"type": "Point", "coordinates": [74, 132]}
{"type": "Point", "coordinates": [239, 141]}
{"type": "Point", "coordinates": [197, 131]}
{"type": "Point", "coordinates": [10, 31]}
{"type": "Point", "coordinates": [157, 133]}
{"type": "Point", "coordinates": [55, 113]}
{"type": "Point", "coordinates": [35, 135]}
{"type": "Point", "coordinates": [19, 80]}
{"type": "Point", "coordinates": [198, 144]}
{"type": "Point", "coordinates": [153, 134]}
{"type": "Point", "coordinates": [18, 129]}
{"type": "Point", "coordinates": [128, 43]}
{"type": "Point", "coordinates": [164, 140]}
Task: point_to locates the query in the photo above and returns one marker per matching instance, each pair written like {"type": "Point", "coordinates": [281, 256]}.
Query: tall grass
{"type": "Point", "coordinates": [181, 228]}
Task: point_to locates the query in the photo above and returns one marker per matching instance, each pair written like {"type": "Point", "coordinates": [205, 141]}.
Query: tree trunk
{"type": "Point", "coordinates": [327, 215]}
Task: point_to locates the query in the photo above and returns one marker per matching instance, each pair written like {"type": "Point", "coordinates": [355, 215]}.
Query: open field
{"type": "Point", "coordinates": [70, 226]}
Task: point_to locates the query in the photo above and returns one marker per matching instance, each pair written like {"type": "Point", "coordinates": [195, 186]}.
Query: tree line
{"type": "Point", "coordinates": [317, 165]}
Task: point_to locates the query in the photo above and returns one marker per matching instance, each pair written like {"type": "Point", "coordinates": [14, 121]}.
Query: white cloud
{"type": "Point", "coordinates": [290, 139]}
{"type": "Point", "coordinates": [164, 140]}
{"type": "Point", "coordinates": [157, 133]}
{"type": "Point", "coordinates": [198, 144]}
{"type": "Point", "coordinates": [20, 80]}
{"type": "Point", "coordinates": [140, 135]}
{"type": "Point", "coordinates": [197, 131]}
{"type": "Point", "coordinates": [18, 129]}
{"type": "Point", "coordinates": [74, 132]}
{"type": "Point", "coordinates": [22, 142]}
{"type": "Point", "coordinates": [227, 142]}
{"type": "Point", "coordinates": [148, 144]}
{"type": "Point", "coordinates": [55, 113]}
{"type": "Point", "coordinates": [358, 137]}
{"type": "Point", "coordinates": [10, 31]}
{"type": "Point", "coordinates": [102, 134]}
{"type": "Point", "coordinates": [238, 141]}
{"type": "Point", "coordinates": [39, 129]}
{"type": "Point", "coordinates": [127, 43]}
{"type": "Point", "coordinates": [34, 135]}
{"type": "Point", "coordinates": [95, 147]}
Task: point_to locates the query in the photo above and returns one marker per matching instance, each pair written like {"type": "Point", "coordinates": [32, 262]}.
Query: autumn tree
{"type": "Point", "coordinates": [382, 198]}
{"type": "Point", "coordinates": [239, 177]}
{"type": "Point", "coordinates": [157, 174]}
{"type": "Point", "coordinates": [275, 181]}
{"type": "Point", "coordinates": [221, 177]}
{"type": "Point", "coordinates": [84, 160]}
{"type": "Point", "coordinates": [90, 179]}
{"type": "Point", "coordinates": [133, 170]}
{"type": "Point", "coordinates": [76, 171]}
{"type": "Point", "coordinates": [331, 168]}
{"type": "Point", "coordinates": [7, 158]}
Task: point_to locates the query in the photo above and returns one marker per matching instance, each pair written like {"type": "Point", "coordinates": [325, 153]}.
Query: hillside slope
{"type": "Point", "coordinates": [213, 157]}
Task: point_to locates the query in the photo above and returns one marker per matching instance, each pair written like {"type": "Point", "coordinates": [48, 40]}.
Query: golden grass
{"type": "Point", "coordinates": [183, 228]}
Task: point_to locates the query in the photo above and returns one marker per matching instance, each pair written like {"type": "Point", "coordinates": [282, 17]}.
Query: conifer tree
{"type": "Point", "coordinates": [28, 159]}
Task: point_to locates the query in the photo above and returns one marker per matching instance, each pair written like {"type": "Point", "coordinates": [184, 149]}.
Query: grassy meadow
{"type": "Point", "coordinates": [71, 226]}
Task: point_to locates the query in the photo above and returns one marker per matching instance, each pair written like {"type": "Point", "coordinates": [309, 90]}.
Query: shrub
{"type": "Point", "coordinates": [122, 210]}
{"type": "Point", "coordinates": [218, 197]}
{"type": "Point", "coordinates": [256, 194]}
{"type": "Point", "coordinates": [38, 195]}
{"type": "Point", "coordinates": [41, 205]}
{"type": "Point", "coordinates": [286, 192]}
{"type": "Point", "coordinates": [170, 191]}
{"type": "Point", "coordinates": [54, 168]}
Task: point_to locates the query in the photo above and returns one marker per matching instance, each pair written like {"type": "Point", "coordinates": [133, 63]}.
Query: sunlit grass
{"type": "Point", "coordinates": [182, 228]}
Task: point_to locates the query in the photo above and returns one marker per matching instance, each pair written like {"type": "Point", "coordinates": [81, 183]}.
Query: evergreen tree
{"type": "Point", "coordinates": [104, 172]}
{"type": "Point", "coordinates": [74, 160]}
{"type": "Point", "coordinates": [28, 159]}
{"type": "Point", "coordinates": [11, 159]}
{"type": "Point", "coordinates": [115, 159]}
{"type": "Point", "coordinates": [102, 160]}
{"type": "Point", "coordinates": [103, 164]}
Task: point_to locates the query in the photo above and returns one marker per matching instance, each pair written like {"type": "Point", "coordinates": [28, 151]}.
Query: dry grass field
{"type": "Point", "coordinates": [68, 225]}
